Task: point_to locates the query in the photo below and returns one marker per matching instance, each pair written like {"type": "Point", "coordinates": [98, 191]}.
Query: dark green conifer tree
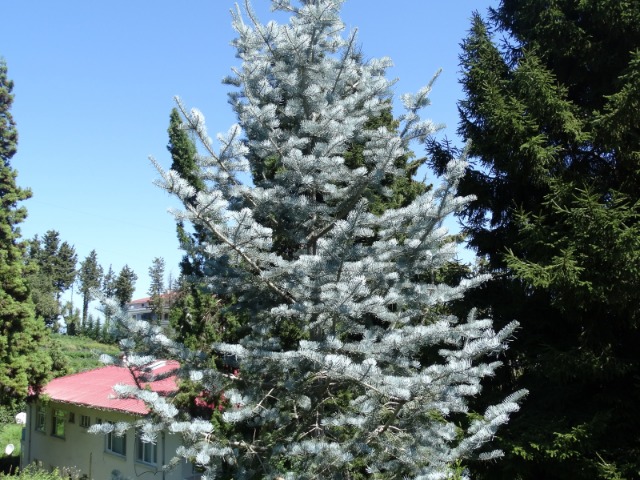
{"type": "Point", "coordinates": [555, 147]}
{"type": "Point", "coordinates": [125, 285]}
{"type": "Point", "coordinates": [157, 289]}
{"type": "Point", "coordinates": [89, 279]}
{"type": "Point", "coordinates": [195, 314]}
{"type": "Point", "coordinates": [53, 273]}
{"type": "Point", "coordinates": [108, 289]}
{"type": "Point", "coordinates": [57, 261]}
{"type": "Point", "coordinates": [23, 360]}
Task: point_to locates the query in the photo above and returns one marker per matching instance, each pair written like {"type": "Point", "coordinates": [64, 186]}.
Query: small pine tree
{"type": "Point", "coordinates": [72, 319]}
{"type": "Point", "coordinates": [374, 380]}
{"type": "Point", "coordinates": [88, 327]}
{"type": "Point", "coordinates": [97, 329]}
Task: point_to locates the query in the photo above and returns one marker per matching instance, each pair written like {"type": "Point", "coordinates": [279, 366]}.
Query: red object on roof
{"type": "Point", "coordinates": [94, 388]}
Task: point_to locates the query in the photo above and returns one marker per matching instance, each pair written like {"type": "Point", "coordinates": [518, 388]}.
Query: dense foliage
{"type": "Point", "coordinates": [52, 272]}
{"type": "Point", "coordinates": [555, 149]}
{"type": "Point", "coordinates": [196, 317]}
{"type": "Point", "coordinates": [23, 362]}
{"type": "Point", "coordinates": [37, 472]}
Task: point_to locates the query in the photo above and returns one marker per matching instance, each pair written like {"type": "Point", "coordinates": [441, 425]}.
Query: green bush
{"type": "Point", "coordinates": [8, 414]}
{"type": "Point", "coordinates": [36, 472]}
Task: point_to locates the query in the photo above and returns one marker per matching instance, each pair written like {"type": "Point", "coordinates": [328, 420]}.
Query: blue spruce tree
{"type": "Point", "coordinates": [378, 382]}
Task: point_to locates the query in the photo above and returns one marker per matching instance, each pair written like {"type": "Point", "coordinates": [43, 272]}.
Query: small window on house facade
{"type": "Point", "coordinates": [117, 444]}
{"type": "Point", "coordinates": [40, 419]}
{"type": "Point", "coordinates": [146, 452]}
{"type": "Point", "coordinates": [85, 421]}
{"type": "Point", "coordinates": [58, 423]}
{"type": "Point", "coordinates": [72, 417]}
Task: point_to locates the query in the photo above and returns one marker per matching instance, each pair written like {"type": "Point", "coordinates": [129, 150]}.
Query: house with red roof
{"type": "Point", "coordinates": [140, 309]}
{"type": "Point", "coordinates": [56, 432]}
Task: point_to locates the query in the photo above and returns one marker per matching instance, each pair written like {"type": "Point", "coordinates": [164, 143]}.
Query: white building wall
{"type": "Point", "coordinates": [87, 453]}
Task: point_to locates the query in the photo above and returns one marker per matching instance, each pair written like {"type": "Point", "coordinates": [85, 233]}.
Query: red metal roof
{"type": "Point", "coordinates": [166, 295]}
{"type": "Point", "coordinates": [94, 388]}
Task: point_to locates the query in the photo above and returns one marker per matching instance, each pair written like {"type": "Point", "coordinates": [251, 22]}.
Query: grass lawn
{"type": "Point", "coordinates": [10, 433]}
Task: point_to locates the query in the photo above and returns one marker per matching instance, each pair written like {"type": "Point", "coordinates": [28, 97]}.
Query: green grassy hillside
{"type": "Point", "coordinates": [83, 353]}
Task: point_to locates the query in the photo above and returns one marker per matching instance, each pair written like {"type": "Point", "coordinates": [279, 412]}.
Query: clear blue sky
{"type": "Point", "coordinates": [94, 85]}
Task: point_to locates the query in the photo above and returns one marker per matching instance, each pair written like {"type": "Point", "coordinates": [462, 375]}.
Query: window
{"type": "Point", "coordinates": [72, 417]}
{"type": "Point", "coordinates": [117, 444]}
{"type": "Point", "coordinates": [40, 419]}
{"type": "Point", "coordinates": [146, 452]}
{"type": "Point", "coordinates": [58, 423]}
{"type": "Point", "coordinates": [85, 421]}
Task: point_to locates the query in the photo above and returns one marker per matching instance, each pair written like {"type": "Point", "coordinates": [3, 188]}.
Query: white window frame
{"type": "Point", "coordinates": [85, 421]}
{"type": "Point", "coordinates": [146, 452]}
{"type": "Point", "coordinates": [112, 443]}
{"type": "Point", "coordinates": [41, 419]}
{"type": "Point", "coordinates": [58, 420]}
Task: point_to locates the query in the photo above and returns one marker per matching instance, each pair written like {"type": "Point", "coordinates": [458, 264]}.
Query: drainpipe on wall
{"type": "Point", "coordinates": [164, 444]}
{"type": "Point", "coordinates": [27, 429]}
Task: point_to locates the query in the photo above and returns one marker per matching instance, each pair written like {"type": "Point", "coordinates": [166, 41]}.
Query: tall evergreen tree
{"type": "Point", "coordinates": [125, 285]}
{"type": "Point", "coordinates": [66, 268]}
{"type": "Point", "coordinates": [54, 272]}
{"type": "Point", "coordinates": [195, 315]}
{"type": "Point", "coordinates": [183, 160]}
{"type": "Point", "coordinates": [555, 149]}
{"type": "Point", "coordinates": [58, 262]}
{"type": "Point", "coordinates": [90, 279]}
{"type": "Point", "coordinates": [378, 382]}
{"type": "Point", "coordinates": [42, 292]}
{"type": "Point", "coordinates": [108, 289]}
{"type": "Point", "coordinates": [108, 286]}
{"type": "Point", "coordinates": [23, 360]}
{"type": "Point", "coordinates": [157, 288]}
